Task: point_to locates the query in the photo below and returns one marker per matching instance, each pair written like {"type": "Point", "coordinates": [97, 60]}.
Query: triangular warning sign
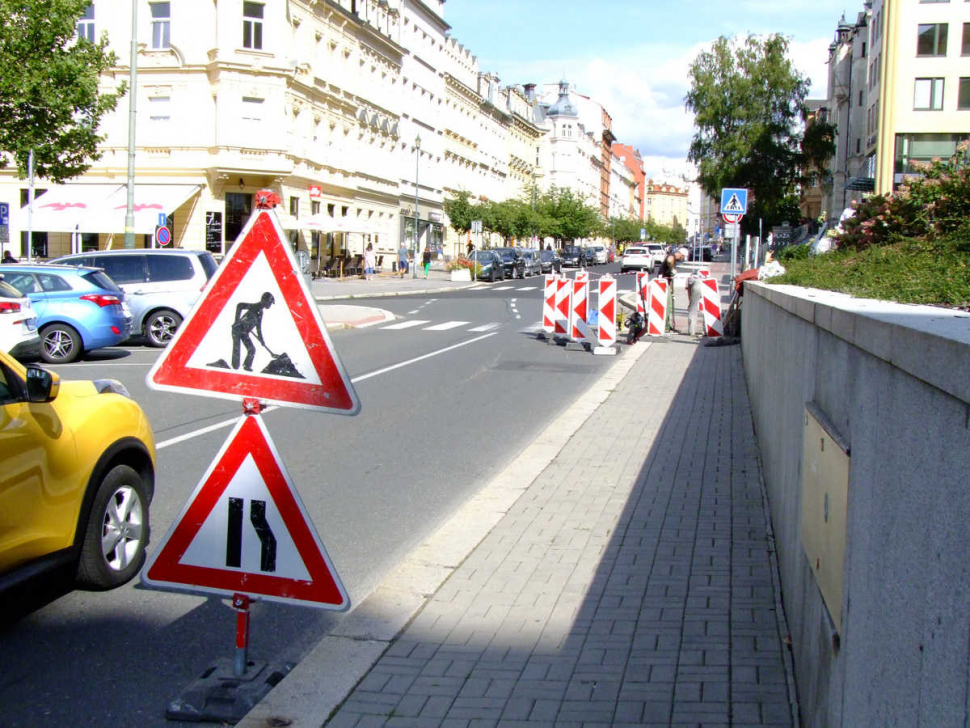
{"type": "Point", "coordinates": [257, 333]}
{"type": "Point", "coordinates": [734, 205]}
{"type": "Point", "coordinates": [245, 530]}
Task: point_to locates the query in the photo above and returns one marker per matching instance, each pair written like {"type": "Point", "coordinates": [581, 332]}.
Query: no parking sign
{"type": "Point", "coordinates": [163, 236]}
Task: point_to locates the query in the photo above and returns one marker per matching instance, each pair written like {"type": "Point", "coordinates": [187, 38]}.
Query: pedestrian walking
{"type": "Point", "coordinates": [695, 292]}
{"type": "Point", "coordinates": [668, 269]}
{"type": "Point", "coordinates": [370, 262]}
{"type": "Point", "coordinates": [426, 260]}
{"type": "Point", "coordinates": [402, 259]}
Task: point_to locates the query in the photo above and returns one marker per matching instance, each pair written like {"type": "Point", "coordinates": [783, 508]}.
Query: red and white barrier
{"type": "Point", "coordinates": [582, 276]}
{"type": "Point", "coordinates": [606, 322]}
{"type": "Point", "coordinates": [643, 279]}
{"type": "Point", "coordinates": [711, 305]}
{"type": "Point", "coordinates": [657, 307]}
{"type": "Point", "coordinates": [549, 304]}
{"type": "Point", "coordinates": [578, 326]}
{"type": "Point", "coordinates": [563, 290]}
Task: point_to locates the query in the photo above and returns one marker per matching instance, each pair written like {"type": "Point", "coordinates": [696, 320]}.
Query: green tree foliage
{"type": "Point", "coordinates": [460, 211]}
{"type": "Point", "coordinates": [749, 106]}
{"type": "Point", "coordinates": [49, 98]}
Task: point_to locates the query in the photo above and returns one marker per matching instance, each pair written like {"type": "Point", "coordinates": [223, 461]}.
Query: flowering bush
{"type": "Point", "coordinates": [934, 204]}
{"type": "Point", "coordinates": [463, 263]}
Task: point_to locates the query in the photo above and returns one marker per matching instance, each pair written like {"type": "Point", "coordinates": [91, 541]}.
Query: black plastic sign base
{"type": "Point", "coordinates": [219, 696]}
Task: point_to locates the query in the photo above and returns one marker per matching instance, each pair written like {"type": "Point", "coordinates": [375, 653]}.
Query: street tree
{"type": "Point", "coordinates": [749, 106]}
{"type": "Point", "coordinates": [50, 99]}
{"type": "Point", "coordinates": [460, 211]}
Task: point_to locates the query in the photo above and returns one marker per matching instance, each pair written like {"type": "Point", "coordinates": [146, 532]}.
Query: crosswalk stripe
{"type": "Point", "coordinates": [528, 288]}
{"type": "Point", "coordinates": [502, 288]}
{"type": "Point", "coordinates": [486, 327]}
{"type": "Point", "coordinates": [448, 325]}
{"type": "Point", "coordinates": [406, 324]}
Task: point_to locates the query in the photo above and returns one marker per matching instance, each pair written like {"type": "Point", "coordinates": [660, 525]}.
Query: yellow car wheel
{"type": "Point", "coordinates": [117, 531]}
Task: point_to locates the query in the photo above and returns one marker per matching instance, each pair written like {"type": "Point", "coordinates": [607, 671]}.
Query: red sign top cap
{"type": "Point", "coordinates": [291, 361]}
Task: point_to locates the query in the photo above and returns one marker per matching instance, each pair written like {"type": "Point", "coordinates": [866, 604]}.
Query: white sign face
{"type": "Point", "coordinates": [732, 230]}
{"type": "Point", "coordinates": [248, 496]}
{"type": "Point", "coordinates": [221, 349]}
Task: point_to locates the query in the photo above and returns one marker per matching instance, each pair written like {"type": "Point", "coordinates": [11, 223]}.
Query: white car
{"type": "Point", "coordinates": [657, 252]}
{"type": "Point", "coordinates": [636, 257]}
{"type": "Point", "coordinates": [18, 323]}
{"type": "Point", "coordinates": [597, 255]}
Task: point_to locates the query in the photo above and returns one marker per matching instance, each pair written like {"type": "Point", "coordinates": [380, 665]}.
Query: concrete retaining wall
{"type": "Point", "coordinates": [894, 380]}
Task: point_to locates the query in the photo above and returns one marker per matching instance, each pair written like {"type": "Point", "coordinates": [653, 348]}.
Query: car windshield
{"type": "Point", "coordinates": [548, 254]}
{"type": "Point", "coordinates": [101, 280]}
{"type": "Point", "coordinates": [635, 251]}
{"type": "Point", "coordinates": [571, 250]}
{"type": "Point", "coordinates": [8, 291]}
{"type": "Point", "coordinates": [506, 253]}
{"type": "Point", "coordinates": [209, 264]}
{"type": "Point", "coordinates": [483, 256]}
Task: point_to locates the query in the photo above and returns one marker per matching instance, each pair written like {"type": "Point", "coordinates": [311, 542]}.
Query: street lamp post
{"type": "Point", "coordinates": [132, 96]}
{"type": "Point", "coordinates": [417, 216]}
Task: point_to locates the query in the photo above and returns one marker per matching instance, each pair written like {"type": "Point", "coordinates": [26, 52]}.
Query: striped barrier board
{"type": "Point", "coordinates": [578, 327]}
{"type": "Point", "coordinates": [606, 300]}
{"type": "Point", "coordinates": [549, 304]}
{"type": "Point", "coordinates": [563, 289]}
{"type": "Point", "coordinates": [711, 304]}
{"type": "Point", "coordinates": [657, 313]}
{"type": "Point", "coordinates": [643, 279]}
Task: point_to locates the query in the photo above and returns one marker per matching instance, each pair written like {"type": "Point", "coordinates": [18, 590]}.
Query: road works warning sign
{"type": "Point", "coordinates": [256, 332]}
{"type": "Point", "coordinates": [245, 529]}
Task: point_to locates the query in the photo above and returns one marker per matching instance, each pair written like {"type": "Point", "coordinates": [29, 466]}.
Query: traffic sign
{"type": "Point", "coordinates": [643, 233]}
{"type": "Point", "coordinates": [245, 529]}
{"type": "Point", "coordinates": [256, 332]}
{"type": "Point", "coordinates": [734, 200]}
{"type": "Point", "coordinates": [732, 217]}
{"type": "Point", "coordinates": [163, 236]}
{"type": "Point", "coordinates": [4, 213]}
{"type": "Point", "coordinates": [162, 219]}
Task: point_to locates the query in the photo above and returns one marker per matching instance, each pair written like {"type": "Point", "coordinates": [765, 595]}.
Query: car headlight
{"type": "Point", "coordinates": [111, 385]}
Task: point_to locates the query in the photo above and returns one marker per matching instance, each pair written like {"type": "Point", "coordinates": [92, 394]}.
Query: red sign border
{"type": "Point", "coordinates": [249, 438]}
{"type": "Point", "coordinates": [335, 393]}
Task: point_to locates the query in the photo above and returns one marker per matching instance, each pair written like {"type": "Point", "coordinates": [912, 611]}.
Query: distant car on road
{"type": "Point", "coordinates": [636, 257]}
{"type": "Point", "coordinates": [490, 265]}
{"type": "Point", "coordinates": [597, 255]}
{"type": "Point", "coordinates": [162, 285]}
{"type": "Point", "coordinates": [18, 323]}
{"type": "Point", "coordinates": [78, 309]}
{"type": "Point", "coordinates": [551, 262]}
{"type": "Point", "coordinates": [573, 255]}
{"type": "Point", "coordinates": [531, 259]}
{"type": "Point", "coordinates": [78, 463]}
{"type": "Point", "coordinates": [513, 262]}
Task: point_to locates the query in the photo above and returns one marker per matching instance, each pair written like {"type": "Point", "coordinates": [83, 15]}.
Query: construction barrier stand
{"type": "Point", "coordinates": [657, 314]}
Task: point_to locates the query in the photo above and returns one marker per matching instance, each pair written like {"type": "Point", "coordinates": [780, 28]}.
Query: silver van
{"type": "Point", "coordinates": [161, 285]}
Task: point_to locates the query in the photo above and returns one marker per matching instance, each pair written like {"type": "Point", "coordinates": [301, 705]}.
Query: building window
{"type": "Point", "coordinates": [161, 24]}
{"type": "Point", "coordinates": [85, 24]}
{"type": "Point", "coordinates": [861, 102]}
{"type": "Point", "coordinates": [928, 95]}
{"type": "Point", "coordinates": [963, 101]}
{"type": "Point", "coordinates": [295, 207]}
{"type": "Point", "coordinates": [253, 25]}
{"type": "Point", "coordinates": [239, 206]}
{"type": "Point", "coordinates": [252, 108]}
{"type": "Point", "coordinates": [965, 46]}
{"type": "Point", "coordinates": [923, 148]}
{"type": "Point", "coordinates": [159, 108]}
{"type": "Point", "coordinates": [931, 40]}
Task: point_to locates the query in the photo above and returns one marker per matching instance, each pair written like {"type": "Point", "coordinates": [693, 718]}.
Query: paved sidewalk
{"type": "Point", "coordinates": [630, 580]}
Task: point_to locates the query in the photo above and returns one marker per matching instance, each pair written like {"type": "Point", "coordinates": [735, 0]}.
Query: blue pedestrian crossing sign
{"type": "Point", "coordinates": [734, 201]}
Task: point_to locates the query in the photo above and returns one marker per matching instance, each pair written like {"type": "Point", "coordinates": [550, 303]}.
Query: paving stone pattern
{"type": "Point", "coordinates": [630, 584]}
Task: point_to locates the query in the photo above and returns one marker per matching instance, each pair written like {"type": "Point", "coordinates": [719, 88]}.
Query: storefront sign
{"type": "Point", "coordinates": [213, 232]}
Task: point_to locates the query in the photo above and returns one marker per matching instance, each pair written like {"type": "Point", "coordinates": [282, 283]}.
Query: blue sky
{"type": "Point", "coordinates": [632, 55]}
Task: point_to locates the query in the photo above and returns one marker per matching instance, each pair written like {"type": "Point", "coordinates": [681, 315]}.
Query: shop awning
{"type": "Point", "coordinates": [101, 208]}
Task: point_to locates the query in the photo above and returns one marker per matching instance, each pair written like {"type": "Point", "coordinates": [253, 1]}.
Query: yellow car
{"type": "Point", "coordinates": [77, 475]}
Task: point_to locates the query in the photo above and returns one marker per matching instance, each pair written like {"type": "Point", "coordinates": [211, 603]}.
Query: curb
{"type": "Point", "coordinates": [327, 675]}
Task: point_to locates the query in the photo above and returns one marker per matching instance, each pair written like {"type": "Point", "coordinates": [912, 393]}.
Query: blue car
{"type": "Point", "coordinates": [77, 309]}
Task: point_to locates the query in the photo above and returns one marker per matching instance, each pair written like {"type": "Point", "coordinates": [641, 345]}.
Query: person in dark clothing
{"type": "Point", "coordinates": [426, 260]}
{"type": "Point", "coordinates": [248, 323]}
{"type": "Point", "coordinates": [668, 269]}
{"type": "Point", "coordinates": [7, 258]}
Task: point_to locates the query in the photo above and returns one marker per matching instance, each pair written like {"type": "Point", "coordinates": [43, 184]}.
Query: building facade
{"type": "Point", "coordinates": [666, 203]}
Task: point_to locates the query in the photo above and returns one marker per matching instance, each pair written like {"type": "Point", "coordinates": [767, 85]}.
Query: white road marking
{"type": "Point", "coordinates": [486, 327]}
{"type": "Point", "coordinates": [502, 288]}
{"type": "Point", "coordinates": [354, 380]}
{"type": "Point", "coordinates": [406, 324]}
{"type": "Point", "coordinates": [447, 325]}
{"type": "Point", "coordinates": [527, 288]}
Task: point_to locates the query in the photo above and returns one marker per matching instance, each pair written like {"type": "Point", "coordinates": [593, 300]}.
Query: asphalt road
{"type": "Point", "coordinates": [445, 407]}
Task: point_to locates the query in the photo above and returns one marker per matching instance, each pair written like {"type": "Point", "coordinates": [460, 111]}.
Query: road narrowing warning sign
{"type": "Point", "coordinates": [256, 332]}
{"type": "Point", "coordinates": [245, 529]}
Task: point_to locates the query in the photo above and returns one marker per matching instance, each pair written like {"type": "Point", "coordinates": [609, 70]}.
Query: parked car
{"type": "Point", "coordinates": [574, 255]}
{"type": "Point", "coordinates": [77, 308]}
{"type": "Point", "coordinates": [18, 323]}
{"type": "Point", "coordinates": [597, 255]}
{"type": "Point", "coordinates": [702, 253]}
{"type": "Point", "coordinates": [78, 463]}
{"type": "Point", "coordinates": [491, 267]}
{"type": "Point", "coordinates": [636, 257]}
{"type": "Point", "coordinates": [512, 260]}
{"type": "Point", "coordinates": [657, 253]}
{"type": "Point", "coordinates": [550, 260]}
{"type": "Point", "coordinates": [162, 285]}
{"type": "Point", "coordinates": [530, 257]}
